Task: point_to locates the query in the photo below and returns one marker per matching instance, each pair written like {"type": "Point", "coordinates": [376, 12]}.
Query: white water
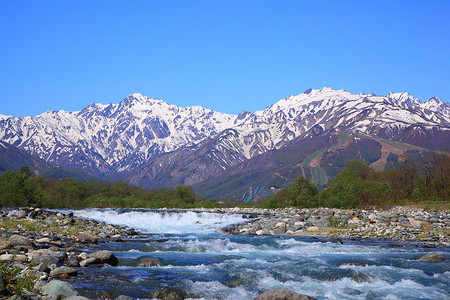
{"type": "Point", "coordinates": [163, 221]}
{"type": "Point", "coordinates": [201, 260]}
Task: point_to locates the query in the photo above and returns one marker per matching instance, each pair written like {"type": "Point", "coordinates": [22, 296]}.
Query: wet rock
{"type": "Point", "coordinates": [105, 257]}
{"type": "Point", "coordinates": [282, 294]}
{"type": "Point", "coordinates": [167, 293]}
{"type": "Point", "coordinates": [63, 270]}
{"type": "Point", "coordinates": [59, 287]}
{"type": "Point", "coordinates": [361, 277]}
{"type": "Point", "coordinates": [89, 261]}
{"type": "Point", "coordinates": [432, 257]}
{"type": "Point", "coordinates": [353, 263]}
{"type": "Point", "coordinates": [149, 262]}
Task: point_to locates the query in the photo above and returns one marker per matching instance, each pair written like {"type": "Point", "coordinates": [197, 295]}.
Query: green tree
{"type": "Point", "coordinates": [355, 187]}
{"type": "Point", "coordinates": [302, 194]}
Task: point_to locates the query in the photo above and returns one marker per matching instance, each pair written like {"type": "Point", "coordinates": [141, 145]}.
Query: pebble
{"type": "Point", "coordinates": [398, 223]}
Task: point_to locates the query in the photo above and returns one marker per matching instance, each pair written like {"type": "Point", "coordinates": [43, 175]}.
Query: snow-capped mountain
{"type": "Point", "coordinates": [115, 137]}
{"type": "Point", "coordinates": [104, 139]}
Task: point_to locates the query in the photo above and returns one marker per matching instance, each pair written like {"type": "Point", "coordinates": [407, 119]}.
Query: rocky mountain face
{"type": "Point", "coordinates": [151, 143]}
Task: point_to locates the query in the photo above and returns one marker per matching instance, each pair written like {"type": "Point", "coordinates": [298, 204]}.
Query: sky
{"type": "Point", "coordinates": [223, 55]}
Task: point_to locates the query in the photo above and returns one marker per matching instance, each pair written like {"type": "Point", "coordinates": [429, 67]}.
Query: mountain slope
{"type": "Point", "coordinates": [152, 144]}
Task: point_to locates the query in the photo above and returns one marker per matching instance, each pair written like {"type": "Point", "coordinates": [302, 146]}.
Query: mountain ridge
{"type": "Point", "coordinates": [140, 132]}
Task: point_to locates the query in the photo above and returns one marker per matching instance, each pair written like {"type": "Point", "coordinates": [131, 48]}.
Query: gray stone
{"type": "Point", "coordinates": [76, 298]}
{"type": "Point", "coordinates": [149, 262]}
{"type": "Point", "coordinates": [432, 257]}
{"type": "Point", "coordinates": [282, 294]}
{"type": "Point", "coordinates": [59, 287]}
{"type": "Point", "coordinates": [123, 297]}
{"type": "Point", "coordinates": [167, 293]}
{"type": "Point", "coordinates": [105, 257]}
{"type": "Point", "coordinates": [19, 240]}
{"type": "Point", "coordinates": [87, 239]}
{"type": "Point", "coordinates": [89, 261]}
{"type": "Point", "coordinates": [277, 231]}
{"type": "Point", "coordinates": [63, 270]}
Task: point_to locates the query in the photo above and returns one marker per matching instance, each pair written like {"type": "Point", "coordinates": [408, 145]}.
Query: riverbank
{"type": "Point", "coordinates": [42, 251]}
{"type": "Point", "coordinates": [38, 247]}
{"type": "Point", "coordinates": [412, 225]}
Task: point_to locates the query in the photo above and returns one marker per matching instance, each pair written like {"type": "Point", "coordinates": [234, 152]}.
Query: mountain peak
{"type": "Point", "coordinates": [139, 98]}
{"type": "Point", "coordinates": [404, 97]}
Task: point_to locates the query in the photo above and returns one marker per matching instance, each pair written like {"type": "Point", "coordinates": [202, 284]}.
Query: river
{"type": "Point", "coordinates": [197, 257]}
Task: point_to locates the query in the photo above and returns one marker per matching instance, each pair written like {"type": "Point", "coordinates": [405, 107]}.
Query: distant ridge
{"type": "Point", "coordinates": [150, 143]}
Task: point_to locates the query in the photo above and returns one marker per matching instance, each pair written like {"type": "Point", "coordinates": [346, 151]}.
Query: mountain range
{"type": "Point", "coordinates": [152, 144]}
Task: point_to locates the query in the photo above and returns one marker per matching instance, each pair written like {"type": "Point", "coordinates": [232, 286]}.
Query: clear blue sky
{"type": "Point", "coordinates": [224, 55]}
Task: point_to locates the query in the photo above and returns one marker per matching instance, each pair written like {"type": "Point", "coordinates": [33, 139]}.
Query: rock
{"type": "Point", "coordinates": [39, 284]}
{"type": "Point", "coordinates": [63, 270]}
{"type": "Point", "coordinates": [43, 240]}
{"type": "Point", "coordinates": [312, 228]}
{"type": "Point", "coordinates": [167, 293]}
{"type": "Point", "coordinates": [149, 262]}
{"type": "Point", "coordinates": [432, 257]}
{"type": "Point", "coordinates": [59, 287]}
{"type": "Point", "coordinates": [87, 239]}
{"type": "Point", "coordinates": [361, 277]}
{"type": "Point", "coordinates": [105, 257]}
{"type": "Point", "coordinates": [123, 297]}
{"type": "Point", "coordinates": [47, 256]}
{"type": "Point", "coordinates": [73, 263]}
{"type": "Point", "coordinates": [54, 297]}
{"type": "Point", "coordinates": [282, 294]}
{"type": "Point", "coordinates": [29, 296]}
{"type": "Point", "coordinates": [76, 298]}
{"type": "Point", "coordinates": [277, 231]}
{"type": "Point", "coordinates": [19, 240]}
{"type": "Point", "coordinates": [353, 263]}
{"type": "Point", "coordinates": [13, 257]}
{"type": "Point", "coordinates": [89, 261]}
{"type": "Point", "coordinates": [3, 289]}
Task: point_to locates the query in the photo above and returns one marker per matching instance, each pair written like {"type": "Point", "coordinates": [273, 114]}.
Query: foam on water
{"type": "Point", "coordinates": [201, 260]}
{"type": "Point", "coordinates": [171, 222]}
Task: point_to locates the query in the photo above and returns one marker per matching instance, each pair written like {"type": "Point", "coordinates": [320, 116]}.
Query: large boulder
{"type": "Point", "coordinates": [105, 257]}
{"type": "Point", "coordinates": [60, 288]}
{"type": "Point", "coordinates": [432, 257]}
{"type": "Point", "coordinates": [282, 294]}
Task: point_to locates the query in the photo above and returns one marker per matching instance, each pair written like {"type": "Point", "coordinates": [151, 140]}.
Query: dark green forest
{"type": "Point", "coordinates": [413, 181]}
{"type": "Point", "coordinates": [23, 189]}
{"type": "Point", "coordinates": [416, 180]}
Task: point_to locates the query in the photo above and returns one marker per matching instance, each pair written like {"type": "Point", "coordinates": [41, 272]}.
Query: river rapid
{"type": "Point", "coordinates": [197, 257]}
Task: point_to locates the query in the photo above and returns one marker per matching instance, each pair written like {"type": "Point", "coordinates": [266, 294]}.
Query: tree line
{"type": "Point", "coordinates": [415, 180]}
{"type": "Point", "coordinates": [22, 188]}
